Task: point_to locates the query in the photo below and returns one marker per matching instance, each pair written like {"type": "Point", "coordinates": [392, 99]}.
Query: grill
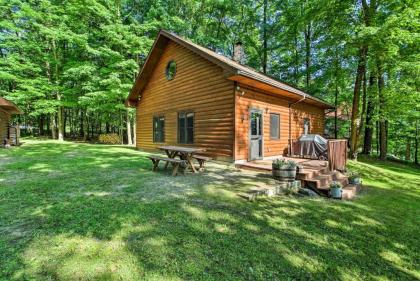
{"type": "Point", "coordinates": [311, 146]}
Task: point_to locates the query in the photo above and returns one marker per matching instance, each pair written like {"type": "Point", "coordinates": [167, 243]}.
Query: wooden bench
{"type": "Point", "coordinates": [201, 160]}
{"type": "Point", "coordinates": [175, 163]}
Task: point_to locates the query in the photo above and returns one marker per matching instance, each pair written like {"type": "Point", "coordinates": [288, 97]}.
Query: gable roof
{"type": "Point", "coordinates": [9, 106]}
{"type": "Point", "coordinates": [234, 71]}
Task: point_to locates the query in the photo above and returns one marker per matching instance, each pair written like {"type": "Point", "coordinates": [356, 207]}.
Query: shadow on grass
{"type": "Point", "coordinates": [83, 212]}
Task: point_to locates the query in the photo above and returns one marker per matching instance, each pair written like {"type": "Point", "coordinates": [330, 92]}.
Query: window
{"type": "Point", "coordinates": [171, 70]}
{"type": "Point", "coordinates": [306, 126]}
{"type": "Point", "coordinates": [186, 127]}
{"type": "Point", "coordinates": [275, 126]}
{"type": "Point", "coordinates": [159, 129]}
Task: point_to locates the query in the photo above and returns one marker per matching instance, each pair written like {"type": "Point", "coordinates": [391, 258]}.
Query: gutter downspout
{"type": "Point", "coordinates": [290, 122]}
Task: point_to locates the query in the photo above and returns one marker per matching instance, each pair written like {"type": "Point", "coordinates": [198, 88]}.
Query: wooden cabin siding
{"type": "Point", "coordinates": [199, 86]}
{"type": "Point", "coordinates": [316, 116]}
{"type": "Point", "coordinates": [272, 104]}
{"type": "Point", "coordinates": [4, 123]}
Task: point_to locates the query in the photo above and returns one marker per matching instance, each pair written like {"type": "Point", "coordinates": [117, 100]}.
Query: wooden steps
{"type": "Point", "coordinates": [323, 180]}
{"type": "Point", "coordinates": [308, 173]}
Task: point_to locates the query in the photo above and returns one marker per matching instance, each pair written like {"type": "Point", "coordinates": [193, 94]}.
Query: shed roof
{"type": "Point", "coordinates": [9, 106]}
{"type": "Point", "coordinates": [234, 71]}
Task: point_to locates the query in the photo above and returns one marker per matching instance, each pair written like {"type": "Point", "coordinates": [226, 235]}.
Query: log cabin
{"type": "Point", "coordinates": [188, 95]}
{"type": "Point", "coordinates": [8, 134]}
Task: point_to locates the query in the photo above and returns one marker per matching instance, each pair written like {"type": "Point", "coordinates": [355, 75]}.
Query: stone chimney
{"type": "Point", "coordinates": [238, 52]}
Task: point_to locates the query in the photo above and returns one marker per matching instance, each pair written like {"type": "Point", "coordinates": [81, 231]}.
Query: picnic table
{"type": "Point", "coordinates": [184, 153]}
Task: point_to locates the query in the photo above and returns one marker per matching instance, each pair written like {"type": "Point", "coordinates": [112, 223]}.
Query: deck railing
{"type": "Point", "coordinates": [337, 154]}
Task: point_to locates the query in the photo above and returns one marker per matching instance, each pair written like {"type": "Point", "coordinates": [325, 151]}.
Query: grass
{"type": "Point", "coordinates": [93, 212]}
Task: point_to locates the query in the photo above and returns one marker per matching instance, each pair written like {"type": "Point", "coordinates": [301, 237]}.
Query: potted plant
{"type": "Point", "coordinates": [354, 177]}
{"type": "Point", "coordinates": [283, 169]}
{"type": "Point", "coordinates": [336, 190]}
{"type": "Point", "coordinates": [277, 163]}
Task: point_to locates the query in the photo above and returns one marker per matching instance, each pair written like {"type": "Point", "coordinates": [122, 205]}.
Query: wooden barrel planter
{"type": "Point", "coordinates": [284, 170]}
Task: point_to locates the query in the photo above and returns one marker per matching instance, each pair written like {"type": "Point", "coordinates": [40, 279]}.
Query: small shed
{"type": "Point", "coordinates": [9, 135]}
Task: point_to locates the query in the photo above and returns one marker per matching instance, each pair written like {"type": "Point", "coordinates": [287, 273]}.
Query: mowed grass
{"type": "Point", "coordinates": [94, 212]}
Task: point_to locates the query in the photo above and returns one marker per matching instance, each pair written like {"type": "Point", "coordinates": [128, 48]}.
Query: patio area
{"type": "Point", "coordinates": [265, 164]}
{"type": "Point", "coordinates": [313, 174]}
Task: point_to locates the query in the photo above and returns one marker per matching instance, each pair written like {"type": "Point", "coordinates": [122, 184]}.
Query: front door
{"type": "Point", "coordinates": [256, 134]}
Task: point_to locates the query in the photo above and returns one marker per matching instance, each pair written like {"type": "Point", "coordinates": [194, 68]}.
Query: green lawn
{"type": "Point", "coordinates": [93, 212]}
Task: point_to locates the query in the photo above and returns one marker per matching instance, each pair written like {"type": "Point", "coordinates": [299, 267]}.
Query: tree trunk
{"type": "Point", "coordinates": [383, 149]}
{"type": "Point", "coordinates": [86, 126]}
{"type": "Point", "coordinates": [296, 59]}
{"type": "Point", "coordinates": [121, 128]}
{"type": "Point", "coordinates": [53, 127]}
{"type": "Point", "coordinates": [86, 133]}
{"type": "Point", "coordinates": [367, 143]}
{"type": "Point", "coordinates": [66, 119]}
{"type": "Point", "coordinates": [60, 123]}
{"type": "Point", "coordinates": [265, 51]}
{"type": "Point", "coordinates": [335, 113]}
{"type": "Point", "coordinates": [92, 129]}
{"type": "Point", "coordinates": [41, 125]}
{"type": "Point", "coordinates": [48, 124]}
{"type": "Point", "coordinates": [71, 122]}
{"type": "Point", "coordinates": [107, 130]}
{"type": "Point", "coordinates": [100, 127]}
{"type": "Point", "coordinates": [356, 99]}
{"type": "Point", "coordinates": [337, 66]}
{"type": "Point", "coordinates": [377, 137]}
{"type": "Point", "coordinates": [81, 128]}
{"type": "Point", "coordinates": [308, 38]}
{"type": "Point", "coordinates": [408, 150]}
{"type": "Point", "coordinates": [364, 105]}
{"type": "Point", "coordinates": [416, 144]}
{"type": "Point", "coordinates": [129, 138]}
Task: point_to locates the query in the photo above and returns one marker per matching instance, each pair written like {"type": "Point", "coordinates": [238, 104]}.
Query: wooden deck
{"type": "Point", "coordinates": [313, 174]}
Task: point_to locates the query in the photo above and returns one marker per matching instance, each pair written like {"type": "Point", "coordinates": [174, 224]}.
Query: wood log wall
{"type": "Point", "coordinates": [252, 98]}
{"type": "Point", "coordinates": [4, 123]}
{"type": "Point", "coordinates": [198, 86]}
{"type": "Point", "coordinates": [201, 87]}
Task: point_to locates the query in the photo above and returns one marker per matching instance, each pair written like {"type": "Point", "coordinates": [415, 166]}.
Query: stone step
{"type": "Point", "coordinates": [270, 190]}
{"type": "Point", "coordinates": [350, 191]}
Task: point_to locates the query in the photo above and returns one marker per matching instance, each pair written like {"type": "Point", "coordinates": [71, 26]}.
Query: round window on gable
{"type": "Point", "coordinates": [171, 70]}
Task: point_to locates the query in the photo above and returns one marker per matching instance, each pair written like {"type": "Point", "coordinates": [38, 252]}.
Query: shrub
{"type": "Point", "coordinates": [277, 163]}
{"type": "Point", "coordinates": [109, 138]}
{"type": "Point", "coordinates": [284, 164]}
{"type": "Point", "coordinates": [291, 164]}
